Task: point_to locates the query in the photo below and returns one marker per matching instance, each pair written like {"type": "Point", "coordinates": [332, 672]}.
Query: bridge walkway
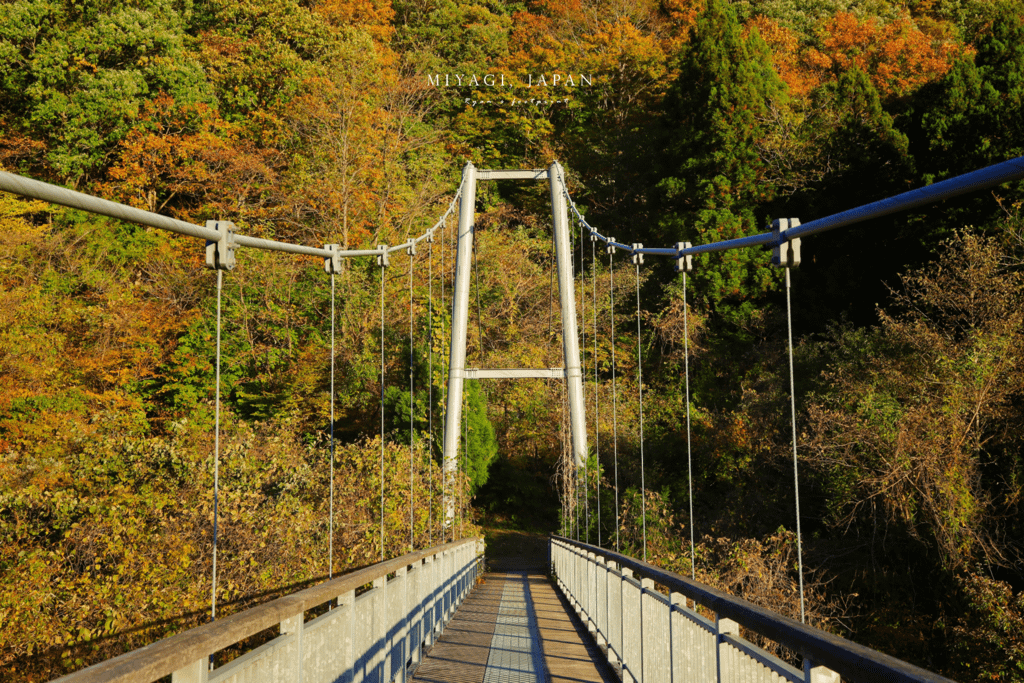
{"type": "Point", "coordinates": [515, 627]}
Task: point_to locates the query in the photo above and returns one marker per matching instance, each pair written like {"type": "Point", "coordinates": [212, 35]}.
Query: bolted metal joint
{"type": "Point", "coordinates": [638, 258]}
{"type": "Point", "coordinates": [786, 254]}
{"type": "Point", "coordinates": [332, 263]}
{"type": "Point", "coordinates": [684, 263]}
{"type": "Point", "coordinates": [411, 249]}
{"type": "Point", "coordinates": [610, 249]}
{"type": "Point", "coordinates": [383, 260]}
{"type": "Point", "coordinates": [430, 236]}
{"type": "Point", "coordinates": [593, 235]}
{"type": "Point", "coordinates": [220, 253]}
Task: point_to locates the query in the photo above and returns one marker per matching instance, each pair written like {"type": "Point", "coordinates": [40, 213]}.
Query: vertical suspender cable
{"type": "Point", "coordinates": [412, 481]}
{"type": "Point", "coordinates": [382, 410]}
{"type": "Point", "coordinates": [444, 399]}
{"type": "Point", "coordinates": [330, 569]}
{"type": "Point", "coordinates": [689, 458]}
{"type": "Point", "coordinates": [216, 455]}
{"type": "Point", "coordinates": [597, 424]}
{"type": "Point", "coordinates": [479, 326]}
{"type": "Point", "coordinates": [430, 390]}
{"type": "Point", "coordinates": [640, 389]}
{"type": "Point", "coordinates": [583, 370]}
{"type": "Point", "coordinates": [615, 393]}
{"type": "Point", "coordinates": [796, 477]}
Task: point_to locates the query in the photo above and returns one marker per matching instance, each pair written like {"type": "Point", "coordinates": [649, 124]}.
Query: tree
{"type": "Point", "coordinates": [914, 429]}
{"type": "Point", "coordinates": [714, 176]}
{"type": "Point", "coordinates": [481, 444]}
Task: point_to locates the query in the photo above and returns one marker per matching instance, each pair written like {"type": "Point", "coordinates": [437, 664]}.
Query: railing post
{"type": "Point", "coordinates": [601, 601]}
{"type": "Point", "coordinates": [397, 590]}
{"type": "Point", "coordinates": [632, 649]}
{"type": "Point", "coordinates": [818, 674]}
{"type": "Point", "coordinates": [347, 601]}
{"type": "Point", "coordinates": [678, 653]}
{"type": "Point", "coordinates": [614, 614]}
{"type": "Point", "coordinates": [196, 672]}
{"type": "Point", "coordinates": [723, 650]}
{"type": "Point", "coordinates": [379, 630]}
{"type": "Point", "coordinates": [293, 626]}
{"type": "Point", "coordinates": [427, 590]}
{"type": "Point", "coordinates": [414, 603]}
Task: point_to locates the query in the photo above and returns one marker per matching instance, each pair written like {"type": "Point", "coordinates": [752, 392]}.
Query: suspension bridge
{"type": "Point", "coordinates": [432, 614]}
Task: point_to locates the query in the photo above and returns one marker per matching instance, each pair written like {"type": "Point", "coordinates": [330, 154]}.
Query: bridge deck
{"type": "Point", "coordinates": [515, 628]}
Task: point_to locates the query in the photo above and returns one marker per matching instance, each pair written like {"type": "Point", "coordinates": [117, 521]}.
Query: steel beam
{"type": "Point", "coordinates": [567, 298]}
{"type": "Point", "coordinates": [529, 174]}
{"type": "Point", "coordinates": [515, 373]}
{"type": "Point", "coordinates": [460, 320]}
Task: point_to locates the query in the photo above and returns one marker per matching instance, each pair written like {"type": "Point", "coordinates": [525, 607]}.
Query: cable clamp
{"type": "Point", "coordinates": [411, 249]}
{"type": "Point", "coordinates": [785, 254]}
{"type": "Point", "coordinates": [638, 258]}
{"type": "Point", "coordinates": [220, 253]}
{"type": "Point", "coordinates": [332, 263]}
{"type": "Point", "coordinates": [593, 234]}
{"type": "Point", "coordinates": [430, 236]}
{"type": "Point", "coordinates": [383, 259]}
{"type": "Point", "coordinates": [684, 263]}
{"type": "Point", "coordinates": [611, 245]}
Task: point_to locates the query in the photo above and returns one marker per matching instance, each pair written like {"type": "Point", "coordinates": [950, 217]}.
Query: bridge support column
{"type": "Point", "coordinates": [460, 319]}
{"type": "Point", "coordinates": [567, 299]}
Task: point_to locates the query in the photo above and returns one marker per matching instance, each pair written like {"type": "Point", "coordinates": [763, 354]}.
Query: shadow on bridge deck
{"type": "Point", "coordinates": [515, 628]}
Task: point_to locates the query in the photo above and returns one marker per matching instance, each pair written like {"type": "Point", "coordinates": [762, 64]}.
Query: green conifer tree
{"type": "Point", "coordinates": [714, 176]}
{"type": "Point", "coordinates": [482, 445]}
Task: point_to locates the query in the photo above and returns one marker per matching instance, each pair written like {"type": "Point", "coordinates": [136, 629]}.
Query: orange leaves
{"type": "Point", "coordinates": [374, 16]}
{"type": "Point", "coordinates": [786, 56]}
{"type": "Point", "coordinates": [188, 154]}
{"type": "Point", "coordinates": [898, 57]}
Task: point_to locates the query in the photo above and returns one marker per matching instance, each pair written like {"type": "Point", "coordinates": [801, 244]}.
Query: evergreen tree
{"type": "Point", "coordinates": [715, 177]}
{"type": "Point", "coordinates": [481, 445]}
{"type": "Point", "coordinates": [972, 117]}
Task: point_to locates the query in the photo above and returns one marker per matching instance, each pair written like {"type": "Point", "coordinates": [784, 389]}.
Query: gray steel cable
{"type": "Point", "coordinates": [216, 456]}
{"type": "Point", "coordinates": [583, 384]}
{"type": "Point", "coordinates": [430, 392]}
{"type": "Point", "coordinates": [597, 423]}
{"type": "Point", "coordinates": [689, 457]}
{"type": "Point", "coordinates": [615, 394]}
{"type": "Point", "coordinates": [796, 476]}
{"type": "Point", "coordinates": [640, 389]}
{"type": "Point", "coordinates": [412, 480]}
{"type": "Point", "coordinates": [382, 411]}
{"type": "Point", "coordinates": [330, 569]}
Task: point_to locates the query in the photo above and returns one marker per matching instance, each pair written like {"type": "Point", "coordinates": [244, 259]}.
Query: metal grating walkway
{"type": "Point", "coordinates": [515, 628]}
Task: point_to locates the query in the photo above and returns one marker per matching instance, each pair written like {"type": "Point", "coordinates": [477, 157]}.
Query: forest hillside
{"type": "Point", "coordinates": [348, 122]}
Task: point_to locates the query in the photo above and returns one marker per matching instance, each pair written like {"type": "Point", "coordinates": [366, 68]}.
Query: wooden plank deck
{"type": "Point", "coordinates": [490, 639]}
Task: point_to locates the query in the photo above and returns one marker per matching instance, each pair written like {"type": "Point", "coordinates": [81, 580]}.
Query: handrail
{"type": "Point", "coordinates": [173, 654]}
{"type": "Point", "coordinates": [853, 662]}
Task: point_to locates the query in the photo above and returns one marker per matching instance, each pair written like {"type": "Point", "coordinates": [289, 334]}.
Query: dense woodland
{"type": "Point", "coordinates": [315, 122]}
